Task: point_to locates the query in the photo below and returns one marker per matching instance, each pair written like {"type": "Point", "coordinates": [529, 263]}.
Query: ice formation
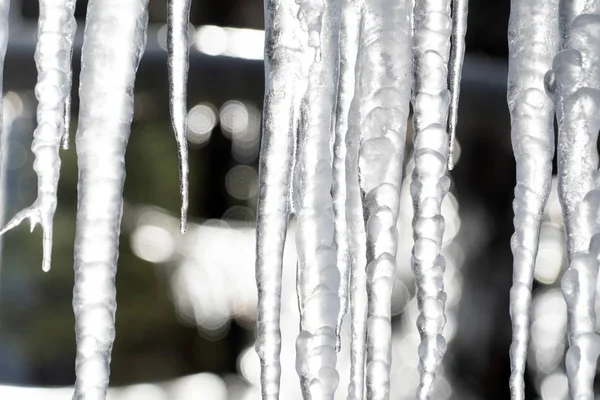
{"type": "Point", "coordinates": [178, 48]}
{"type": "Point", "coordinates": [431, 100]}
{"type": "Point", "coordinates": [56, 30]}
{"type": "Point", "coordinates": [114, 41]}
{"type": "Point", "coordinates": [533, 41]}
{"type": "Point", "coordinates": [340, 76]}
{"type": "Point", "coordinates": [574, 83]}
{"type": "Point", "coordinates": [460, 10]}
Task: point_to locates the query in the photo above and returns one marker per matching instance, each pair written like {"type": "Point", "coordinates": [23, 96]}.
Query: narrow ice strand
{"type": "Point", "coordinates": [533, 40]}
{"type": "Point", "coordinates": [4, 22]}
{"type": "Point", "coordinates": [381, 104]}
{"type": "Point", "coordinates": [460, 10]}
{"type": "Point", "coordinates": [574, 84]}
{"type": "Point", "coordinates": [431, 100]}
{"type": "Point", "coordinates": [348, 38]}
{"type": "Point", "coordinates": [67, 110]}
{"type": "Point", "coordinates": [52, 56]}
{"type": "Point", "coordinates": [347, 146]}
{"type": "Point", "coordinates": [318, 274]}
{"type": "Point", "coordinates": [114, 40]}
{"type": "Point", "coordinates": [283, 76]}
{"type": "Point", "coordinates": [178, 65]}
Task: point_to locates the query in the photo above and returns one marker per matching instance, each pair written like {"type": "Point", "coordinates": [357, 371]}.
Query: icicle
{"type": "Point", "coordinates": [533, 42]}
{"type": "Point", "coordinates": [52, 55]}
{"type": "Point", "coordinates": [430, 184]}
{"type": "Point", "coordinates": [350, 20]}
{"type": "Point", "coordinates": [376, 138]}
{"type": "Point", "coordinates": [574, 83]}
{"type": "Point", "coordinates": [284, 79]}
{"type": "Point", "coordinates": [347, 202]}
{"type": "Point", "coordinates": [114, 40]}
{"type": "Point", "coordinates": [460, 9]}
{"type": "Point", "coordinates": [177, 45]}
{"type": "Point", "coordinates": [318, 275]}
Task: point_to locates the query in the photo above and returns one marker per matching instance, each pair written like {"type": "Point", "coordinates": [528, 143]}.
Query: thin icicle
{"type": "Point", "coordinates": [53, 60]}
{"type": "Point", "coordinates": [460, 9]}
{"type": "Point", "coordinates": [430, 184]}
{"type": "Point", "coordinates": [318, 275]}
{"type": "Point", "coordinates": [178, 65]}
{"type": "Point", "coordinates": [533, 40]}
{"type": "Point", "coordinates": [114, 41]}
{"type": "Point", "coordinates": [378, 128]}
{"type": "Point", "coordinates": [574, 83]}
{"type": "Point", "coordinates": [284, 79]}
{"type": "Point", "coordinates": [347, 202]}
{"type": "Point", "coordinates": [348, 39]}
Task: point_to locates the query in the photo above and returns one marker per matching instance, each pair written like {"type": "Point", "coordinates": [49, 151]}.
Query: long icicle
{"type": "Point", "coordinates": [382, 101]}
{"type": "Point", "coordinates": [114, 41]}
{"type": "Point", "coordinates": [350, 234]}
{"type": "Point", "coordinates": [284, 79]}
{"type": "Point", "coordinates": [574, 83]}
{"type": "Point", "coordinates": [430, 184]}
{"type": "Point", "coordinates": [533, 40]}
{"type": "Point", "coordinates": [178, 66]}
{"type": "Point", "coordinates": [318, 275]}
{"type": "Point", "coordinates": [348, 44]}
{"type": "Point", "coordinates": [53, 60]}
{"type": "Point", "coordinates": [460, 9]}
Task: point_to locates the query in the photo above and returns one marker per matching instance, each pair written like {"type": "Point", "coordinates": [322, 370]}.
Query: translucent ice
{"type": "Point", "coordinates": [533, 40]}
{"type": "Point", "coordinates": [431, 99]}
{"type": "Point", "coordinates": [56, 29]}
{"type": "Point", "coordinates": [178, 48]}
{"type": "Point", "coordinates": [114, 40]}
{"type": "Point", "coordinates": [574, 84]}
{"type": "Point", "coordinates": [378, 122]}
{"type": "Point", "coordinates": [318, 274]}
{"type": "Point", "coordinates": [460, 10]}
{"type": "Point", "coordinates": [285, 80]}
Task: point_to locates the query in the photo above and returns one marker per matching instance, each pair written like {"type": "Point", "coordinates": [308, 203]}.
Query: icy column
{"type": "Point", "coordinates": [378, 122]}
{"type": "Point", "coordinates": [318, 275]}
{"type": "Point", "coordinates": [347, 202]}
{"type": "Point", "coordinates": [574, 84]}
{"type": "Point", "coordinates": [178, 65]}
{"type": "Point", "coordinates": [4, 11]}
{"type": "Point", "coordinates": [460, 9]}
{"type": "Point", "coordinates": [56, 29]}
{"type": "Point", "coordinates": [533, 41]}
{"type": "Point", "coordinates": [284, 79]}
{"type": "Point", "coordinates": [348, 50]}
{"type": "Point", "coordinates": [430, 184]}
{"type": "Point", "coordinates": [115, 38]}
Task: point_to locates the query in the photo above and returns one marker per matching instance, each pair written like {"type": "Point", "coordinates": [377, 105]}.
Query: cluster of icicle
{"type": "Point", "coordinates": [341, 76]}
{"type": "Point", "coordinates": [554, 67]}
{"type": "Point", "coordinates": [114, 41]}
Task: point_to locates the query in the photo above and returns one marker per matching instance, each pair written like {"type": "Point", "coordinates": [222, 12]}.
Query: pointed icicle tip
{"type": "Point", "coordinates": [460, 9]}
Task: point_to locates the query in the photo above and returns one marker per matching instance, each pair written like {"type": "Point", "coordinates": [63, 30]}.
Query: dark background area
{"type": "Point", "coordinates": [152, 344]}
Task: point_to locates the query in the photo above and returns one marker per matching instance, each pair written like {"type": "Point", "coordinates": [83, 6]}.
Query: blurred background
{"type": "Point", "coordinates": [186, 304]}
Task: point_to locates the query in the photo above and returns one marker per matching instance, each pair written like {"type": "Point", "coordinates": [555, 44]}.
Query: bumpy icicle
{"type": "Point", "coordinates": [460, 10]}
{"type": "Point", "coordinates": [115, 38]}
{"type": "Point", "coordinates": [318, 275]}
{"type": "Point", "coordinates": [348, 43]}
{"type": "Point", "coordinates": [533, 41]}
{"type": "Point", "coordinates": [429, 181]}
{"type": "Point", "coordinates": [178, 48]}
{"type": "Point", "coordinates": [53, 60]}
{"type": "Point", "coordinates": [378, 120]}
{"type": "Point", "coordinates": [284, 79]}
{"type": "Point", "coordinates": [574, 84]}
